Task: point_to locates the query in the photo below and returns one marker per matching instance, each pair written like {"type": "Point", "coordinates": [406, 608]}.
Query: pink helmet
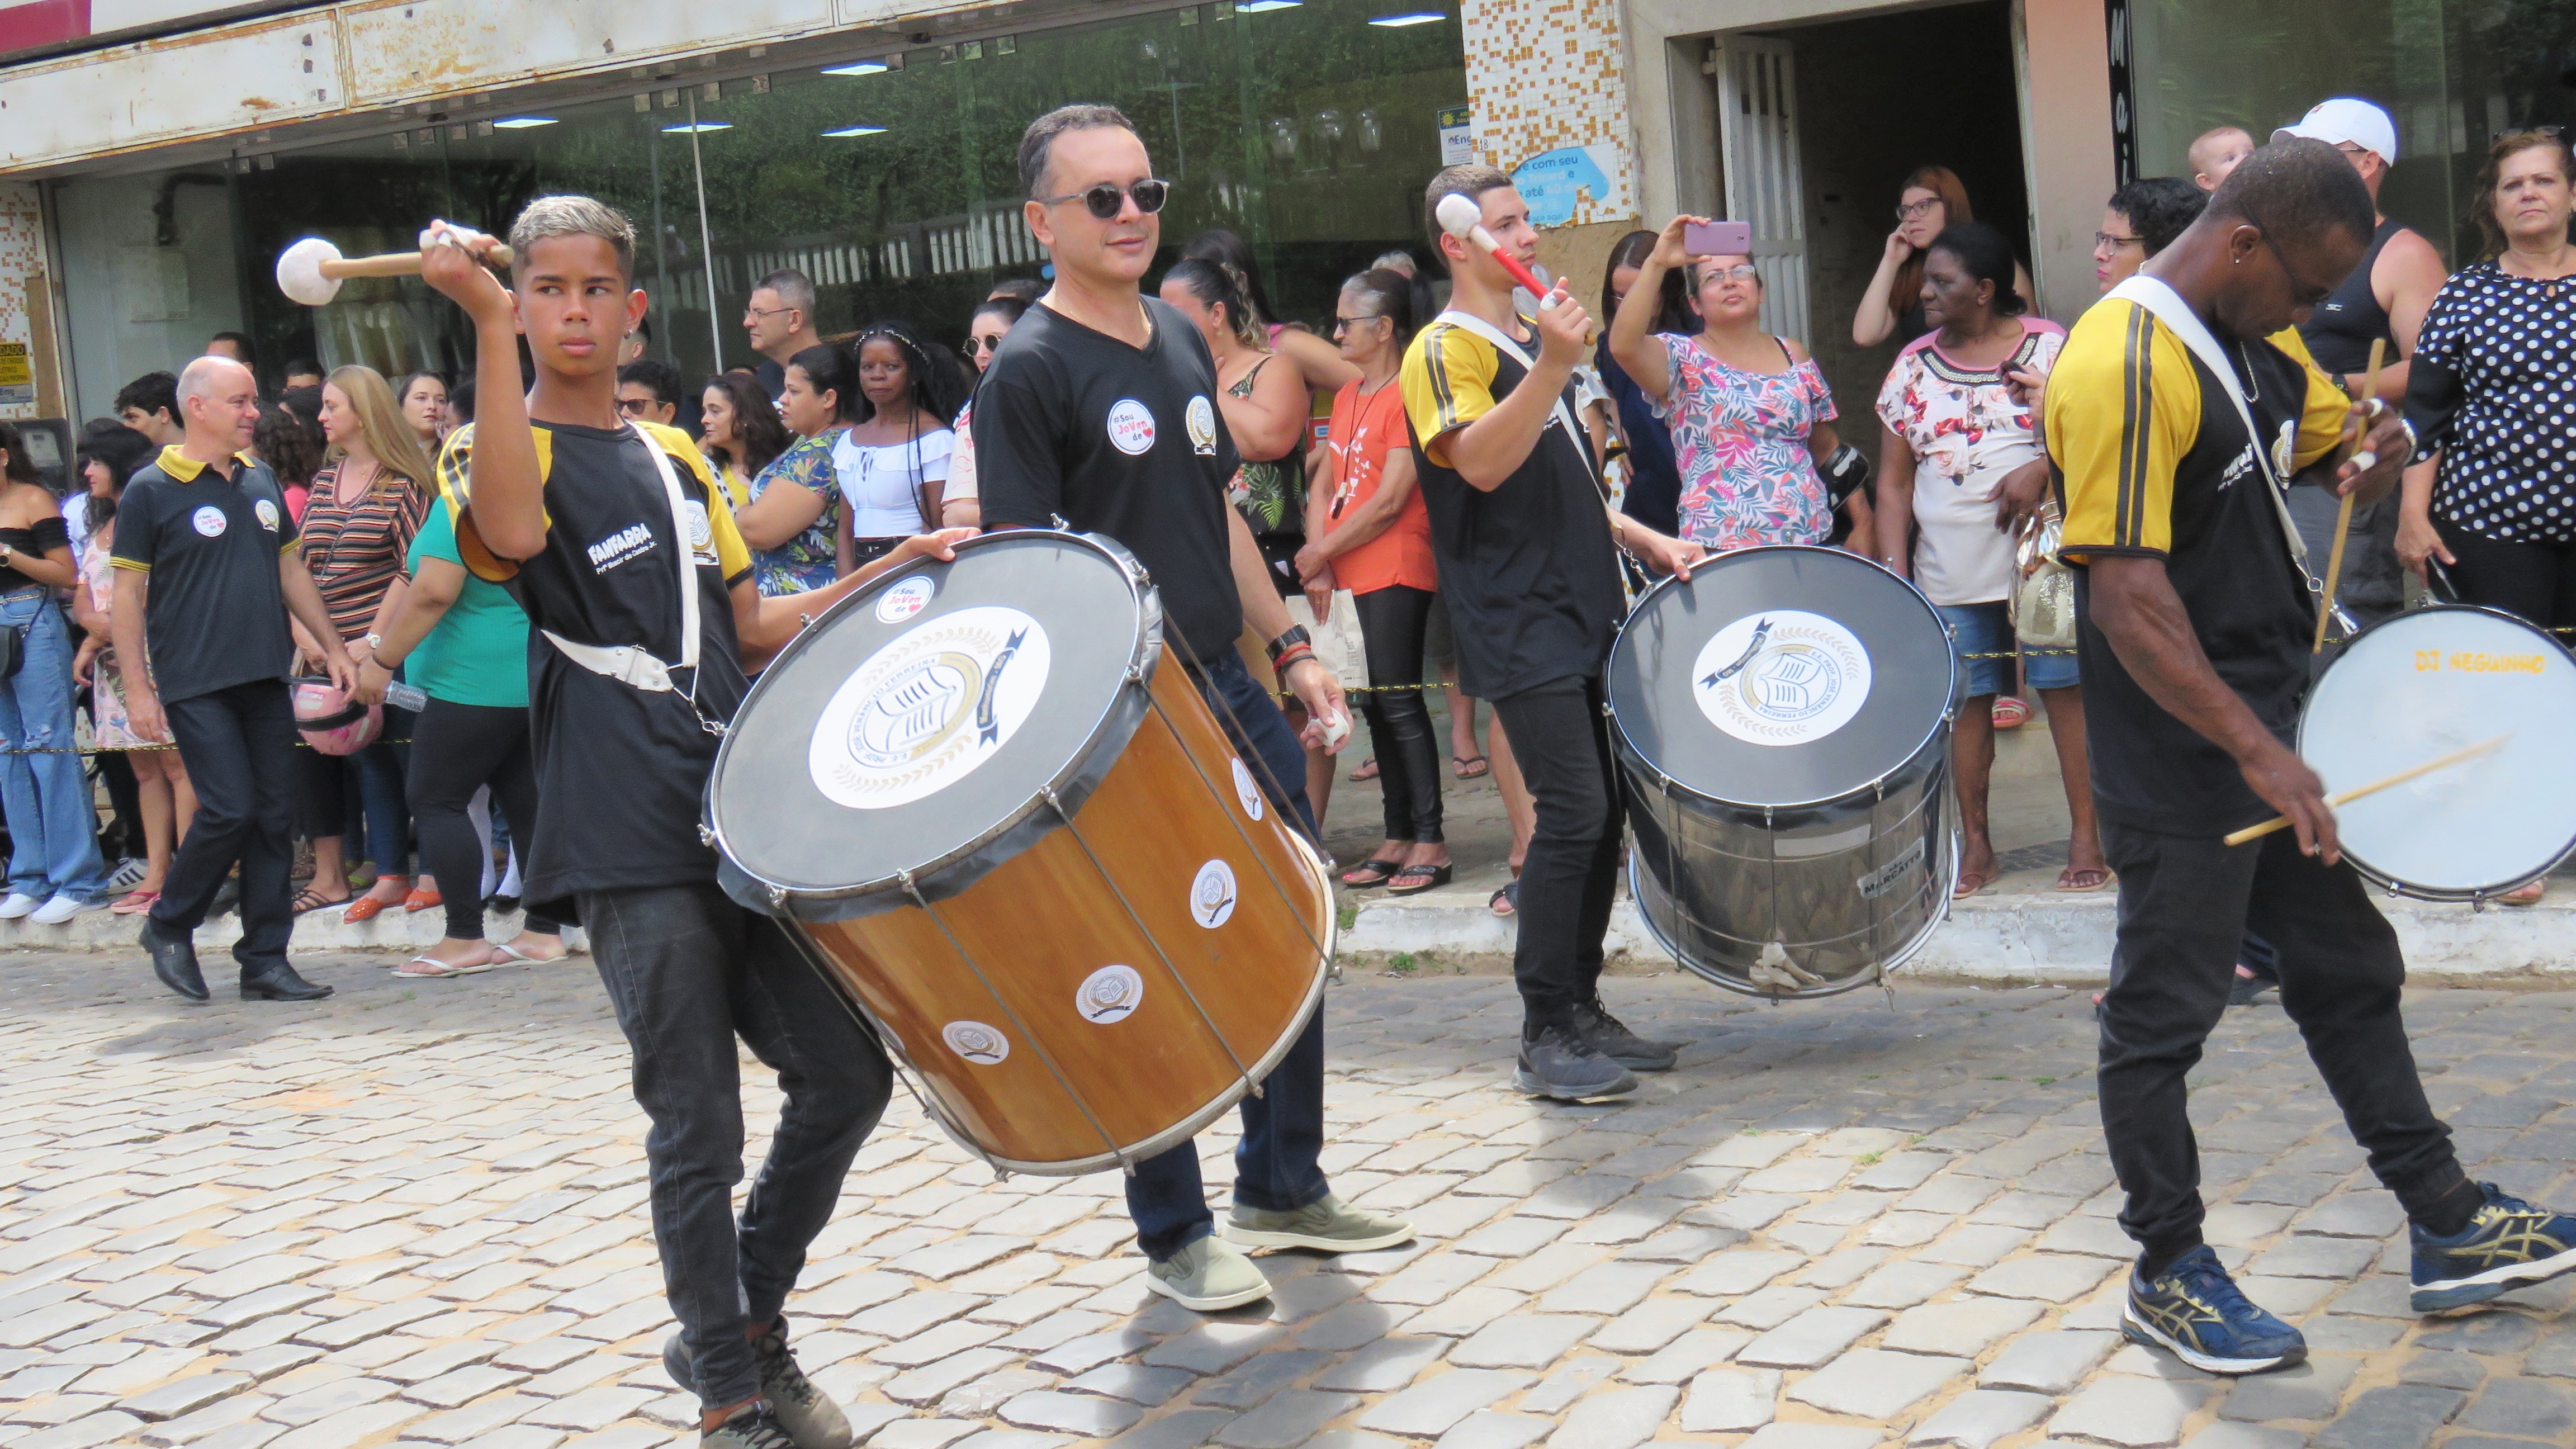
{"type": "Point", "coordinates": [331, 721]}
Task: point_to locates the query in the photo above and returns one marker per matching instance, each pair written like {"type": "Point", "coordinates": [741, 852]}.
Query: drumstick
{"type": "Point", "coordinates": [2456, 757]}
{"type": "Point", "coordinates": [2343, 512]}
{"type": "Point", "coordinates": [312, 270]}
{"type": "Point", "coordinates": [1464, 220]}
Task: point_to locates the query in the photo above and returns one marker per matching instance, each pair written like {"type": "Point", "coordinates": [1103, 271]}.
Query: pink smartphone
{"type": "Point", "coordinates": [1718, 238]}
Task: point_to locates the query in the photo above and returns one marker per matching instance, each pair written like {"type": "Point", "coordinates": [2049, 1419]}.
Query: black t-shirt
{"type": "Point", "coordinates": [2155, 464]}
{"type": "Point", "coordinates": [1529, 569]}
{"type": "Point", "coordinates": [216, 613]}
{"type": "Point", "coordinates": [1120, 440]}
{"type": "Point", "coordinates": [620, 771]}
{"type": "Point", "coordinates": [772, 375]}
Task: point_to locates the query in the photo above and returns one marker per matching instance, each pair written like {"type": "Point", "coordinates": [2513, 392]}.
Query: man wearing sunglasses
{"type": "Point", "coordinates": [1099, 408]}
{"type": "Point", "coordinates": [2177, 412]}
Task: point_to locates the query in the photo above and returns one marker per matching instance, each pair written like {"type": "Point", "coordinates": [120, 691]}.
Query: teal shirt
{"type": "Point", "coordinates": [478, 652]}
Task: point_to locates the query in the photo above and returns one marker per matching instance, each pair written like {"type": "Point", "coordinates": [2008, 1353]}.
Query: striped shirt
{"type": "Point", "coordinates": [356, 551]}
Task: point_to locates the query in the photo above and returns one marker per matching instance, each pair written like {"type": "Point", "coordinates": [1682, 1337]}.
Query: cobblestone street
{"type": "Point", "coordinates": [416, 1214]}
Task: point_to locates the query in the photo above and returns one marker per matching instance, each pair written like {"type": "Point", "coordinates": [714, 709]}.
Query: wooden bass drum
{"type": "Point", "coordinates": [1005, 823]}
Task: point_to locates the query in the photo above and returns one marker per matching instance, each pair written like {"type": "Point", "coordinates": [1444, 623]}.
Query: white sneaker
{"type": "Point", "coordinates": [63, 908]}
{"type": "Point", "coordinates": [18, 904]}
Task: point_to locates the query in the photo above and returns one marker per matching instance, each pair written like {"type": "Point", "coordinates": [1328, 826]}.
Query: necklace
{"type": "Point", "coordinates": [2245, 373]}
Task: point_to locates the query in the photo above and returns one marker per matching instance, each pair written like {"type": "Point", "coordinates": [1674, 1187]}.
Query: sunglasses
{"type": "Point", "coordinates": [1343, 324]}
{"type": "Point", "coordinates": [989, 342]}
{"type": "Point", "coordinates": [1103, 201]}
{"type": "Point", "coordinates": [633, 405]}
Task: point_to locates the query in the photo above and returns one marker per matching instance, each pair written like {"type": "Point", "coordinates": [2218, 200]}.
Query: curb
{"type": "Point", "coordinates": [2031, 936]}
{"type": "Point", "coordinates": [315, 931]}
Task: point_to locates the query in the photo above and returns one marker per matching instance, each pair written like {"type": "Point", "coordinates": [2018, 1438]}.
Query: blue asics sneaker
{"type": "Point", "coordinates": [2508, 1245]}
{"type": "Point", "coordinates": [2194, 1311]}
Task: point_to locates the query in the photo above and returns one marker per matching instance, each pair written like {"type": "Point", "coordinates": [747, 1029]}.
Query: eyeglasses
{"type": "Point", "coordinates": [634, 405]}
{"type": "Point", "coordinates": [1907, 211]}
{"type": "Point", "coordinates": [989, 342]}
{"type": "Point", "coordinates": [2104, 241]}
{"type": "Point", "coordinates": [2553, 132]}
{"type": "Point", "coordinates": [1345, 323]}
{"type": "Point", "coordinates": [765, 311]}
{"type": "Point", "coordinates": [1740, 272]}
{"type": "Point", "coordinates": [1103, 200]}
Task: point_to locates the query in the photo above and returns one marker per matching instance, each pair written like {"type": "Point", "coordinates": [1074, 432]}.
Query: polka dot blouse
{"type": "Point", "coordinates": [2494, 386]}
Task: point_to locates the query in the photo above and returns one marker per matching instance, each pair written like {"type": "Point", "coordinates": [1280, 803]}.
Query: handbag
{"type": "Point", "coordinates": [2042, 603]}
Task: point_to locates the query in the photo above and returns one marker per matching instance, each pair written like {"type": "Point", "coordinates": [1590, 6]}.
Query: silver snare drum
{"type": "Point", "coordinates": [2421, 685]}
{"type": "Point", "coordinates": [1783, 720]}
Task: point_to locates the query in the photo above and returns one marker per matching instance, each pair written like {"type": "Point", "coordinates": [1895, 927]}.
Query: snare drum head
{"type": "Point", "coordinates": [925, 714]}
{"type": "Point", "coordinates": [2423, 685]}
{"type": "Point", "coordinates": [1781, 676]}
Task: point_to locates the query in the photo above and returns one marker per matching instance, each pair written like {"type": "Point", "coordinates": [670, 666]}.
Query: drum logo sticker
{"type": "Point", "coordinates": [1202, 424]}
{"type": "Point", "coordinates": [983, 1045]}
{"type": "Point", "coordinates": [1131, 426]}
{"type": "Point", "coordinates": [1110, 994]}
{"type": "Point", "coordinates": [1781, 677]}
{"type": "Point", "coordinates": [929, 708]}
{"type": "Point", "coordinates": [1880, 881]}
{"type": "Point", "coordinates": [1245, 790]}
{"type": "Point", "coordinates": [209, 521]}
{"type": "Point", "coordinates": [1212, 894]}
{"type": "Point", "coordinates": [906, 599]}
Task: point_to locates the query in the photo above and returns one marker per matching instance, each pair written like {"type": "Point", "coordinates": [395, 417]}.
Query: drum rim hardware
{"type": "Point", "coordinates": [959, 868]}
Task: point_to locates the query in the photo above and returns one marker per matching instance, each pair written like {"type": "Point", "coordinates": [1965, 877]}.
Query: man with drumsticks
{"type": "Point", "coordinates": [2195, 642]}
{"type": "Point", "coordinates": [617, 542]}
{"type": "Point", "coordinates": [1099, 410]}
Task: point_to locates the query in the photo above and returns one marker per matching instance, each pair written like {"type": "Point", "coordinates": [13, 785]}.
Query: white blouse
{"type": "Point", "coordinates": [883, 484]}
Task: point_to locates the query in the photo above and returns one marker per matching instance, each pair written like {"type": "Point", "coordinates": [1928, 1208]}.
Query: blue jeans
{"type": "Point", "coordinates": [1283, 1129]}
{"type": "Point", "coordinates": [53, 830]}
{"type": "Point", "coordinates": [1985, 630]}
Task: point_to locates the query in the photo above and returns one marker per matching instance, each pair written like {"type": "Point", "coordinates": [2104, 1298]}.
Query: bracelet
{"type": "Point", "coordinates": [1290, 657]}
{"type": "Point", "coordinates": [1295, 636]}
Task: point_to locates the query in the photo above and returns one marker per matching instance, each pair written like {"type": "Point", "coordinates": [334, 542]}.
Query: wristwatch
{"type": "Point", "coordinates": [1295, 636]}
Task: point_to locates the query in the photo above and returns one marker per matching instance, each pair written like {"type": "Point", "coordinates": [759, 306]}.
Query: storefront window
{"type": "Point", "coordinates": [890, 179]}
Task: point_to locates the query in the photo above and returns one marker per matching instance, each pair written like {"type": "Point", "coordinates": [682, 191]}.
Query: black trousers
{"type": "Point", "coordinates": [2534, 581]}
{"type": "Point", "coordinates": [1560, 734]}
{"type": "Point", "coordinates": [688, 971]}
{"type": "Point", "coordinates": [1408, 760]}
{"type": "Point", "coordinates": [239, 747]}
{"type": "Point", "coordinates": [2185, 904]}
{"type": "Point", "coordinates": [457, 749]}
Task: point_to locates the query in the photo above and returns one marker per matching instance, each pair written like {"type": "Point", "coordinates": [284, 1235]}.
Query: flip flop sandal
{"type": "Point", "coordinates": [2067, 880]}
{"type": "Point", "coordinates": [516, 957]}
{"type": "Point", "coordinates": [1413, 880]}
{"type": "Point", "coordinates": [1470, 767]}
{"type": "Point", "coordinates": [365, 908]}
{"type": "Point", "coordinates": [430, 969]}
{"type": "Point", "coordinates": [1376, 873]}
{"type": "Point", "coordinates": [135, 903]}
{"type": "Point", "coordinates": [2010, 713]}
{"type": "Point", "coordinates": [421, 900]}
{"type": "Point", "coordinates": [309, 901]}
{"type": "Point", "coordinates": [1367, 769]}
{"type": "Point", "coordinates": [1970, 883]}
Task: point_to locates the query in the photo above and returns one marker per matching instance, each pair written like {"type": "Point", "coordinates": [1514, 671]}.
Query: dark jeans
{"type": "Point", "coordinates": [1408, 758]}
{"type": "Point", "coordinates": [323, 797]}
{"type": "Point", "coordinates": [1283, 1128]}
{"type": "Point", "coordinates": [239, 747]}
{"type": "Point", "coordinates": [1560, 733]}
{"type": "Point", "coordinates": [2186, 902]}
{"type": "Point", "coordinates": [687, 970]}
{"type": "Point", "coordinates": [2535, 581]}
{"type": "Point", "coordinates": [456, 750]}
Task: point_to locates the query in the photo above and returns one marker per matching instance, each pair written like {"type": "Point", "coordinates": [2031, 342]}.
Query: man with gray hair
{"type": "Point", "coordinates": [780, 319]}
{"type": "Point", "coordinates": [206, 572]}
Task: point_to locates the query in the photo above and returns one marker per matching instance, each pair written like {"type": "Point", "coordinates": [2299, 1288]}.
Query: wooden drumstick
{"type": "Point", "coordinates": [312, 270]}
{"type": "Point", "coordinates": [2456, 757]}
{"type": "Point", "coordinates": [2343, 513]}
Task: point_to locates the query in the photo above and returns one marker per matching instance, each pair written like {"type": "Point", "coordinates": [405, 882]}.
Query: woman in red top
{"type": "Point", "coordinates": [1367, 532]}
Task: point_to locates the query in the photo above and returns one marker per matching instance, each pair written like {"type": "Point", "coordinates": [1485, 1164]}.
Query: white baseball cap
{"type": "Point", "coordinates": [2347, 120]}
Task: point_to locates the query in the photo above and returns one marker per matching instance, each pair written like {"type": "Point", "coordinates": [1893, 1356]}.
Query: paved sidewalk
{"type": "Point", "coordinates": [416, 1214]}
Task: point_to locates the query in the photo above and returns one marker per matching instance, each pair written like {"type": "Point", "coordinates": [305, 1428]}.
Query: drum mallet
{"type": "Point", "coordinates": [1465, 220]}
{"type": "Point", "coordinates": [2456, 757]}
{"type": "Point", "coordinates": [312, 270]}
{"type": "Point", "coordinates": [2343, 513]}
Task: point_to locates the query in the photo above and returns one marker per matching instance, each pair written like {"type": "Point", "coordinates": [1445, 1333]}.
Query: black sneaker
{"type": "Point", "coordinates": [2509, 1244]}
{"type": "Point", "coordinates": [1558, 1063]}
{"type": "Point", "coordinates": [1607, 1035]}
{"type": "Point", "coordinates": [808, 1415]}
{"type": "Point", "coordinates": [751, 1427]}
{"type": "Point", "coordinates": [2194, 1311]}
{"type": "Point", "coordinates": [2246, 989]}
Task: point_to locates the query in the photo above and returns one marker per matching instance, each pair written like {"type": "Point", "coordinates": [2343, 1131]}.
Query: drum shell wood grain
{"type": "Point", "coordinates": [1074, 1094]}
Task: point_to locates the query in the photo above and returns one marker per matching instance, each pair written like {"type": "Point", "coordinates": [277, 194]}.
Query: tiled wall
{"type": "Point", "coordinates": [1547, 74]}
{"type": "Point", "coordinates": [22, 255]}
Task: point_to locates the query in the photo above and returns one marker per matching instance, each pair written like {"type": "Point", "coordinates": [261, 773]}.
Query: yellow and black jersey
{"type": "Point", "coordinates": [620, 771]}
{"type": "Point", "coordinates": [216, 614]}
{"type": "Point", "coordinates": [2153, 462]}
{"type": "Point", "coordinates": [1528, 568]}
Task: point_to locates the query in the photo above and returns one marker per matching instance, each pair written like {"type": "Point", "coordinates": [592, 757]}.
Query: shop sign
{"type": "Point", "coordinates": [1552, 180]}
{"type": "Point", "coordinates": [17, 376]}
{"type": "Point", "coordinates": [1457, 135]}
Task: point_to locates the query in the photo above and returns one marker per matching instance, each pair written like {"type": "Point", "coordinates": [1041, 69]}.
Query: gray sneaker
{"type": "Point", "coordinates": [1327, 1224]}
{"type": "Point", "coordinates": [751, 1427]}
{"type": "Point", "coordinates": [1611, 1037]}
{"type": "Point", "coordinates": [1207, 1275]}
{"type": "Point", "coordinates": [1560, 1064]}
{"type": "Point", "coordinates": [807, 1415]}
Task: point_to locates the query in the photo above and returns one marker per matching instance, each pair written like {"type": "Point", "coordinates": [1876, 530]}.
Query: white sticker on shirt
{"type": "Point", "coordinates": [209, 520]}
{"type": "Point", "coordinates": [702, 534]}
{"type": "Point", "coordinates": [266, 513]}
{"type": "Point", "coordinates": [1202, 421]}
{"type": "Point", "coordinates": [1131, 426]}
